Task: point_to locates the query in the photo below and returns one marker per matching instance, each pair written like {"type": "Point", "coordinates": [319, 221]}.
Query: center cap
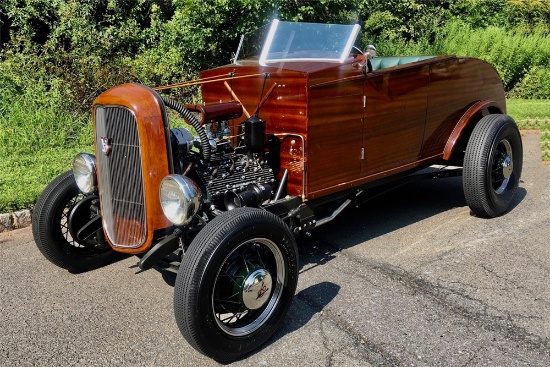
{"type": "Point", "coordinates": [507, 167]}
{"type": "Point", "coordinates": [256, 289]}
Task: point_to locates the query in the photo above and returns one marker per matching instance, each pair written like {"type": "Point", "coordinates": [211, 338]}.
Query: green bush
{"type": "Point", "coordinates": [535, 84]}
{"type": "Point", "coordinates": [39, 133]}
{"type": "Point", "coordinates": [514, 53]}
{"type": "Point", "coordinates": [35, 108]}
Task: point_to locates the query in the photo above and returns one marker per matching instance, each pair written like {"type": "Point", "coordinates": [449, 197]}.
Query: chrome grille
{"type": "Point", "coordinates": [120, 176]}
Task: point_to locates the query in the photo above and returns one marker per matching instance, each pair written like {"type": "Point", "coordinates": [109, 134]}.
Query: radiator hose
{"type": "Point", "coordinates": [192, 120]}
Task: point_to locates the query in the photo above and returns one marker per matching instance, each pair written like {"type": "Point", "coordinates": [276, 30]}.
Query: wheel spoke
{"type": "Point", "coordinates": [227, 301]}
{"type": "Point", "coordinates": [251, 263]}
{"type": "Point", "coordinates": [232, 277]}
{"type": "Point", "coordinates": [257, 249]}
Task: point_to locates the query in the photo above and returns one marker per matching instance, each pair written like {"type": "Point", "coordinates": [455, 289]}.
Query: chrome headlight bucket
{"type": "Point", "coordinates": [180, 199]}
{"type": "Point", "coordinates": [84, 171]}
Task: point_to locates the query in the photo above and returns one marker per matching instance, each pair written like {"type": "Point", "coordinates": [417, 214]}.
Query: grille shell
{"type": "Point", "coordinates": [132, 215]}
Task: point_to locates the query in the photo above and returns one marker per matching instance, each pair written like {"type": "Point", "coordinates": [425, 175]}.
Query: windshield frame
{"type": "Point", "coordinates": [282, 42]}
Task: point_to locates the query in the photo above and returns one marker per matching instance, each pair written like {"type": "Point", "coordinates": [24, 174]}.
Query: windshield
{"type": "Point", "coordinates": [291, 41]}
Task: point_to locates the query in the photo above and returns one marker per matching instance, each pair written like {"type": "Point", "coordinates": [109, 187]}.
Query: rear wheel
{"type": "Point", "coordinates": [52, 231]}
{"type": "Point", "coordinates": [235, 283]}
{"type": "Point", "coordinates": [492, 165]}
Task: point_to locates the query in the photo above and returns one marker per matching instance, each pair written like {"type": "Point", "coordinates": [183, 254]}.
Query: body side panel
{"type": "Point", "coordinates": [455, 85]}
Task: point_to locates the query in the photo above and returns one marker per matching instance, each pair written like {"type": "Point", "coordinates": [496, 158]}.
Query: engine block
{"type": "Point", "coordinates": [234, 174]}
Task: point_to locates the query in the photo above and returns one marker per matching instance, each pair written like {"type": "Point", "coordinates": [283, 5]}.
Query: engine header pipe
{"type": "Point", "coordinates": [192, 120]}
{"type": "Point", "coordinates": [252, 196]}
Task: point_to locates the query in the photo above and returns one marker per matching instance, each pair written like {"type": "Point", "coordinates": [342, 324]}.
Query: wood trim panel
{"type": "Point", "coordinates": [455, 85]}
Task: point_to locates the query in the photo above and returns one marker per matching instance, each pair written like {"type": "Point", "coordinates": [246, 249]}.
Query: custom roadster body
{"type": "Point", "coordinates": [299, 126]}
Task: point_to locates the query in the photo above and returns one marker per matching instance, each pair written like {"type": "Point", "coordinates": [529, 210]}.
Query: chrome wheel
{"type": "Point", "coordinates": [248, 287]}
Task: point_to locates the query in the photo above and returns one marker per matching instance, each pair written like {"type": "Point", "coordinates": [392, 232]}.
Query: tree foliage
{"type": "Point", "coordinates": [91, 45]}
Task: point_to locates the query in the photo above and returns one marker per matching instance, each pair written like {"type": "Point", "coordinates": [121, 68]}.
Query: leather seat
{"type": "Point", "coordinates": [387, 62]}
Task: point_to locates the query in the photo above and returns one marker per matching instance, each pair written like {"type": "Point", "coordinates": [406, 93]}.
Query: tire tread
{"type": "Point", "coordinates": [476, 188]}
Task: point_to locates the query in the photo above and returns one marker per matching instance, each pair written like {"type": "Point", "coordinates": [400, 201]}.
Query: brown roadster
{"type": "Point", "coordinates": [297, 127]}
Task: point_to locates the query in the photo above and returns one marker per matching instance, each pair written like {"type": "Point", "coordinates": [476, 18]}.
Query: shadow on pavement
{"type": "Point", "coordinates": [316, 297]}
{"type": "Point", "coordinates": [389, 212]}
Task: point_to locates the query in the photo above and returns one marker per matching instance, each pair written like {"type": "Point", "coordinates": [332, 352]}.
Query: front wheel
{"type": "Point", "coordinates": [60, 203]}
{"type": "Point", "coordinates": [492, 165]}
{"type": "Point", "coordinates": [235, 283]}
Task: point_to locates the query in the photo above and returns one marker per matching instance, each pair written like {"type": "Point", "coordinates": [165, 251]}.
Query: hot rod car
{"type": "Point", "coordinates": [300, 125]}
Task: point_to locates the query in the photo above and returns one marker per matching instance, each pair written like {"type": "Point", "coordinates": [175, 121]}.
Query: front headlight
{"type": "Point", "coordinates": [180, 199]}
{"type": "Point", "coordinates": [84, 171]}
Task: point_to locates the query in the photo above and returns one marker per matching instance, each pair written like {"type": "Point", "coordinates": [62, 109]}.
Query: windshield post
{"type": "Point", "coordinates": [238, 49]}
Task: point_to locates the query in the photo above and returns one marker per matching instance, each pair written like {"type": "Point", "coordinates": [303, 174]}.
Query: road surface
{"type": "Point", "coordinates": [408, 279]}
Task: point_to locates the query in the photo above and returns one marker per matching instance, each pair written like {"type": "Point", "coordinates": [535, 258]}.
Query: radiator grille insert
{"type": "Point", "coordinates": [120, 174]}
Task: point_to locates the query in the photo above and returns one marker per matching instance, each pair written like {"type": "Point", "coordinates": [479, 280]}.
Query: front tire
{"type": "Point", "coordinates": [50, 228]}
{"type": "Point", "coordinates": [236, 283]}
{"type": "Point", "coordinates": [492, 165]}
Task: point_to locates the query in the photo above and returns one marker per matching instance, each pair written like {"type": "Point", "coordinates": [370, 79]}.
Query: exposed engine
{"type": "Point", "coordinates": [237, 172]}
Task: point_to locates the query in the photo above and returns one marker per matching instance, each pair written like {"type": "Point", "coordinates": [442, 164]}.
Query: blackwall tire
{"type": "Point", "coordinates": [236, 283]}
{"type": "Point", "coordinates": [51, 232]}
{"type": "Point", "coordinates": [492, 165]}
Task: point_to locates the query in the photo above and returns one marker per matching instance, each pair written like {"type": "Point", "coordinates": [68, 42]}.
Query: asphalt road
{"type": "Point", "coordinates": [408, 279]}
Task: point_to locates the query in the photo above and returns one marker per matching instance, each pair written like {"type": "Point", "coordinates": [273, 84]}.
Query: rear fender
{"type": "Point", "coordinates": [465, 125]}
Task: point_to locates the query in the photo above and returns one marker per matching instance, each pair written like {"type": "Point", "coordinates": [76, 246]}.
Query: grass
{"type": "Point", "coordinates": [529, 113]}
{"type": "Point", "coordinates": [533, 114]}
{"type": "Point", "coordinates": [545, 142]}
{"type": "Point", "coordinates": [23, 176]}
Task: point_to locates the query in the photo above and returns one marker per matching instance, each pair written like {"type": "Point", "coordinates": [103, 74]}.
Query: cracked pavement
{"type": "Point", "coordinates": [408, 279]}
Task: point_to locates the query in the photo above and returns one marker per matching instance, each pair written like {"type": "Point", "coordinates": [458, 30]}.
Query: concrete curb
{"type": "Point", "coordinates": [15, 220]}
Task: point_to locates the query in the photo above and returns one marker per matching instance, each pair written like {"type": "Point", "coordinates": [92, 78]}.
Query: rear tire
{"type": "Point", "coordinates": [235, 283]}
{"type": "Point", "coordinates": [50, 228]}
{"type": "Point", "coordinates": [492, 165]}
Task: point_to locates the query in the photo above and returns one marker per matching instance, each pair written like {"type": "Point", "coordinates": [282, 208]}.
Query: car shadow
{"type": "Point", "coordinates": [393, 210]}
{"type": "Point", "coordinates": [306, 304]}
{"type": "Point", "coordinates": [315, 297]}
{"type": "Point", "coordinates": [385, 213]}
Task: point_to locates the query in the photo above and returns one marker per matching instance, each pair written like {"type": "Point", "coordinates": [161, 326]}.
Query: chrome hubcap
{"type": "Point", "coordinates": [507, 167]}
{"type": "Point", "coordinates": [256, 289]}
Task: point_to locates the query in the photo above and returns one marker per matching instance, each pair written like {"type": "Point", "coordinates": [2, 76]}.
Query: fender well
{"type": "Point", "coordinates": [459, 137]}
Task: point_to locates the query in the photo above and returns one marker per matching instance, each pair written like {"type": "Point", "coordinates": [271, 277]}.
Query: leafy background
{"type": "Point", "coordinates": [56, 56]}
